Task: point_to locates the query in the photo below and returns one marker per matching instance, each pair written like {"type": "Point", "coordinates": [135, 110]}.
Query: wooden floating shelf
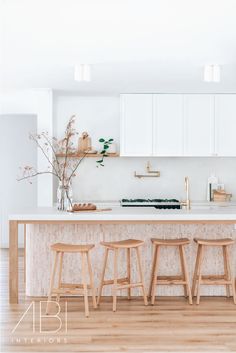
{"type": "Point", "coordinates": [80, 155]}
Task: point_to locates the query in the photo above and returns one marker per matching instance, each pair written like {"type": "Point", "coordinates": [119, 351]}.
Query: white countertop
{"type": "Point", "coordinates": [206, 213]}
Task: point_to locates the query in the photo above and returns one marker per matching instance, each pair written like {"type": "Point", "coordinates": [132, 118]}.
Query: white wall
{"type": "Point", "coordinates": [16, 151]}
{"type": "Point", "coordinates": [39, 103]}
{"type": "Point", "coordinates": [99, 115]}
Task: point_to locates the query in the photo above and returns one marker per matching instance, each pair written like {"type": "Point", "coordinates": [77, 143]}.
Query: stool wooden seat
{"type": "Point", "coordinates": [170, 242]}
{"type": "Point", "coordinates": [225, 279]}
{"type": "Point", "coordinates": [214, 242]}
{"type": "Point", "coordinates": [61, 247]}
{"type": "Point", "coordinates": [182, 279]}
{"type": "Point", "coordinates": [69, 288]}
{"type": "Point", "coordinates": [123, 244]}
{"type": "Point", "coordinates": [122, 283]}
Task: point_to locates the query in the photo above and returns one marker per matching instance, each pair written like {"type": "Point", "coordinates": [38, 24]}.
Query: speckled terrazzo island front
{"type": "Point", "coordinates": [47, 226]}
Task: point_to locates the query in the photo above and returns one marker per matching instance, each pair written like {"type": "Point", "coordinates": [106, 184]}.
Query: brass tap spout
{"type": "Point", "coordinates": [187, 202]}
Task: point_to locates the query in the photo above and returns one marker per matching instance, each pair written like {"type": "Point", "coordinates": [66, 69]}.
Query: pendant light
{"type": "Point", "coordinates": [211, 73]}
{"type": "Point", "coordinates": [82, 73]}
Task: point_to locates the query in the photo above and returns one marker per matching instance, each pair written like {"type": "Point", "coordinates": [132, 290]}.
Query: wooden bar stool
{"type": "Point", "coordinates": [68, 288]}
{"type": "Point", "coordinates": [183, 279]}
{"type": "Point", "coordinates": [225, 279]}
{"type": "Point", "coordinates": [122, 283]}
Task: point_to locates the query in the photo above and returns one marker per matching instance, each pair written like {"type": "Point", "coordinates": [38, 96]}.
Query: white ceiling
{"type": "Point", "coordinates": [132, 45]}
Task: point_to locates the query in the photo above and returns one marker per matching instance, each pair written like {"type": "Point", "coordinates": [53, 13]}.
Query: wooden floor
{"type": "Point", "coordinates": [170, 326]}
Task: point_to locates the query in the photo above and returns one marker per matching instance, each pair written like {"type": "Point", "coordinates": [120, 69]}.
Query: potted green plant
{"type": "Point", "coordinates": [105, 148]}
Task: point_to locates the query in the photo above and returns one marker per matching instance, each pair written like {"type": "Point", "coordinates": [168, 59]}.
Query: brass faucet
{"type": "Point", "coordinates": [187, 202]}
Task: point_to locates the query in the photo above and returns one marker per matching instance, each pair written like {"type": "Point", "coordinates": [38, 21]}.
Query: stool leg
{"type": "Point", "coordinates": [59, 274]}
{"type": "Point", "coordinates": [154, 282]}
{"type": "Point", "coordinates": [114, 287]}
{"type": "Point", "coordinates": [52, 283]}
{"type": "Point", "coordinates": [91, 281]}
{"type": "Point", "coordinates": [199, 274]}
{"type": "Point", "coordinates": [129, 271]}
{"type": "Point", "coordinates": [226, 270]}
{"type": "Point", "coordinates": [141, 276]}
{"type": "Point", "coordinates": [85, 287]}
{"type": "Point", "coordinates": [182, 268]}
{"type": "Point", "coordinates": [102, 276]}
{"type": "Point", "coordinates": [152, 273]}
{"type": "Point", "coordinates": [196, 270]}
{"type": "Point", "coordinates": [186, 276]}
{"type": "Point", "coordinates": [230, 274]}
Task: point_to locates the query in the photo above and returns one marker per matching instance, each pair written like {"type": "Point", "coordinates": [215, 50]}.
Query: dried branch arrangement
{"type": "Point", "coordinates": [64, 169]}
{"type": "Point", "coordinates": [60, 163]}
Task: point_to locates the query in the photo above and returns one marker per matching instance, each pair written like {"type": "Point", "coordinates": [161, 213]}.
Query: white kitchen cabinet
{"type": "Point", "coordinates": [136, 124]}
{"type": "Point", "coordinates": [191, 125]}
{"type": "Point", "coordinates": [199, 125]}
{"type": "Point", "coordinates": [168, 125]}
{"type": "Point", "coordinates": [225, 124]}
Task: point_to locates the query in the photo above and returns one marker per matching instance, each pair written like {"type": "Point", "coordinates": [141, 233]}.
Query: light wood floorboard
{"type": "Point", "coordinates": [172, 325]}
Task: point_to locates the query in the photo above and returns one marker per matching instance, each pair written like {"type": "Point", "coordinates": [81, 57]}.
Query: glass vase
{"type": "Point", "coordinates": [64, 197]}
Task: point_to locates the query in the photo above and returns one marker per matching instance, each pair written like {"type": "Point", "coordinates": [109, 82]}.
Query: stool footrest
{"type": "Point", "coordinates": [169, 282]}
{"type": "Point", "coordinates": [74, 285]}
{"type": "Point", "coordinates": [130, 285]}
{"type": "Point", "coordinates": [67, 291]}
{"type": "Point", "coordinates": [215, 282]}
{"type": "Point", "coordinates": [119, 280]}
{"type": "Point", "coordinates": [176, 280]}
{"type": "Point", "coordinates": [170, 277]}
{"type": "Point", "coordinates": [213, 277]}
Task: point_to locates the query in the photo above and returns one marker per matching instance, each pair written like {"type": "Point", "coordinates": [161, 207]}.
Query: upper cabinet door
{"type": "Point", "coordinates": [199, 125]}
{"type": "Point", "coordinates": [136, 124]}
{"type": "Point", "coordinates": [225, 124]}
{"type": "Point", "coordinates": [168, 125]}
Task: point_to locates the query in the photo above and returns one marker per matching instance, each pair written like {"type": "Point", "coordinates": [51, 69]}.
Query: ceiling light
{"type": "Point", "coordinates": [82, 73]}
{"type": "Point", "coordinates": [212, 73]}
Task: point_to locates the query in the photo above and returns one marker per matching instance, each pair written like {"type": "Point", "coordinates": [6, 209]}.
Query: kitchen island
{"type": "Point", "coordinates": [45, 226]}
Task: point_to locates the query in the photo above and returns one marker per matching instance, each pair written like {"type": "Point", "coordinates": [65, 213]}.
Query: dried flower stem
{"type": "Point", "coordinates": [34, 175]}
{"type": "Point", "coordinates": [46, 156]}
{"type": "Point", "coordinates": [77, 165]}
{"type": "Point", "coordinates": [53, 149]}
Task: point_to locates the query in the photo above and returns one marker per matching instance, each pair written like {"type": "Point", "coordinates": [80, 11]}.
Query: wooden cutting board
{"type": "Point", "coordinates": [87, 210]}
